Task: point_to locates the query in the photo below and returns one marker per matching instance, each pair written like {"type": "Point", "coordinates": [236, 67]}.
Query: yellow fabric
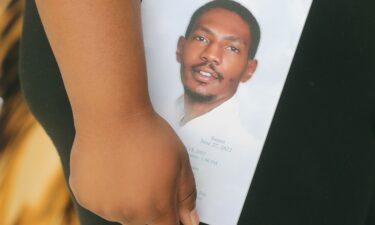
{"type": "Point", "coordinates": [6, 16]}
{"type": "Point", "coordinates": [33, 190]}
{"type": "Point", "coordinates": [32, 187]}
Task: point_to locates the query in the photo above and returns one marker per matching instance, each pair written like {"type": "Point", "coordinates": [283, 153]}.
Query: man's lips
{"type": "Point", "coordinates": [205, 72]}
{"type": "Point", "coordinates": [204, 76]}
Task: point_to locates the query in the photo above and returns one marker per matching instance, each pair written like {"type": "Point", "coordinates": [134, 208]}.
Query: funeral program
{"type": "Point", "coordinates": [216, 70]}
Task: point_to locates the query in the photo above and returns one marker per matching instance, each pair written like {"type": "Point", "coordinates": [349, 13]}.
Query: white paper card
{"type": "Point", "coordinates": [219, 98]}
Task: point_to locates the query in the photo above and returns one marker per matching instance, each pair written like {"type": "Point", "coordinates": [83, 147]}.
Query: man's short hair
{"type": "Point", "coordinates": [237, 8]}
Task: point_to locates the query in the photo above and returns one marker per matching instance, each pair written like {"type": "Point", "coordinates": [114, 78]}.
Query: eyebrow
{"type": "Point", "coordinates": [229, 38]}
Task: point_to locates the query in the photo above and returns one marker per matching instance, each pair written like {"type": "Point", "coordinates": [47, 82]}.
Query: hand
{"type": "Point", "coordinates": [137, 172]}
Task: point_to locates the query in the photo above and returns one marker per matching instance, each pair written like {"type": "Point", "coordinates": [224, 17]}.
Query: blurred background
{"type": "Point", "coordinates": [32, 188]}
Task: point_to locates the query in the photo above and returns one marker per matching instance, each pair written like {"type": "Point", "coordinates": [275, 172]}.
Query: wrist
{"type": "Point", "coordinates": [96, 123]}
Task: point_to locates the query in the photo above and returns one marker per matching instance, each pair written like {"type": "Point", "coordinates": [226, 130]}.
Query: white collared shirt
{"type": "Point", "coordinates": [223, 155]}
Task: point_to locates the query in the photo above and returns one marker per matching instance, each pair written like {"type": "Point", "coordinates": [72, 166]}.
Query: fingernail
{"type": "Point", "coordinates": [194, 217]}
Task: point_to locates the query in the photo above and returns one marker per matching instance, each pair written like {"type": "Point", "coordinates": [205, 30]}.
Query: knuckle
{"type": "Point", "coordinates": [83, 198]}
{"type": "Point", "coordinates": [143, 212]}
{"type": "Point", "coordinates": [135, 215]}
{"type": "Point", "coordinates": [130, 214]}
{"type": "Point", "coordinates": [77, 192]}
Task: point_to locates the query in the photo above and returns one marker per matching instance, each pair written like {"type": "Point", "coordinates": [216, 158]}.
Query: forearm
{"type": "Point", "coordinates": [98, 47]}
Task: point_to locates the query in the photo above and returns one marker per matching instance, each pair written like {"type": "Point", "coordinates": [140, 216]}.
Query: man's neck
{"type": "Point", "coordinates": [194, 109]}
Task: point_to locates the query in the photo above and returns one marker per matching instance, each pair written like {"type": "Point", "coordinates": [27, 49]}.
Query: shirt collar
{"type": "Point", "coordinates": [229, 107]}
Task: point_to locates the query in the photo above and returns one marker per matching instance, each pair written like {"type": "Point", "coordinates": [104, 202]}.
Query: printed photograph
{"type": "Point", "coordinates": [216, 71]}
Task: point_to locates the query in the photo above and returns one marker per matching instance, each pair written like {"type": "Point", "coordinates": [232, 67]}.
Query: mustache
{"type": "Point", "coordinates": [211, 66]}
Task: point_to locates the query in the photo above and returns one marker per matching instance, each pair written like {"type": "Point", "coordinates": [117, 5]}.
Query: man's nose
{"type": "Point", "coordinates": [212, 53]}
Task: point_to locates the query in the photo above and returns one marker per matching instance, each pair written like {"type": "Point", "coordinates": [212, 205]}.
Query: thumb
{"type": "Point", "coordinates": [186, 197]}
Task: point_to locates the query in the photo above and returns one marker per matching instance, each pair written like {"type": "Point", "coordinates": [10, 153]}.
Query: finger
{"type": "Point", "coordinates": [187, 211]}
{"type": "Point", "coordinates": [187, 197]}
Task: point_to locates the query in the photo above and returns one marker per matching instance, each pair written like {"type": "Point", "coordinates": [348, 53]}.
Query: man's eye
{"type": "Point", "coordinates": [201, 39]}
{"type": "Point", "coordinates": [233, 49]}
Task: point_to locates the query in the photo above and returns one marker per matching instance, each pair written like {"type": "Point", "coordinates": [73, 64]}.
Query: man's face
{"type": "Point", "coordinates": [214, 57]}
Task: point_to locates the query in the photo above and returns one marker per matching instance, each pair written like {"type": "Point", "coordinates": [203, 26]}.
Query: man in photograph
{"type": "Point", "coordinates": [216, 55]}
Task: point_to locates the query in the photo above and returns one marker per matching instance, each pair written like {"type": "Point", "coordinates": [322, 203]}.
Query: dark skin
{"type": "Point", "coordinates": [214, 60]}
{"type": "Point", "coordinates": [127, 164]}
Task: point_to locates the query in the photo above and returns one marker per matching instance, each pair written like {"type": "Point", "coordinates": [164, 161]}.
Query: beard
{"type": "Point", "coordinates": [197, 97]}
{"type": "Point", "coordinates": [194, 95]}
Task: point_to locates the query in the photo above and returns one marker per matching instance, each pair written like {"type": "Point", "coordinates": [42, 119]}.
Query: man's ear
{"type": "Point", "coordinates": [250, 70]}
{"type": "Point", "coordinates": [180, 46]}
